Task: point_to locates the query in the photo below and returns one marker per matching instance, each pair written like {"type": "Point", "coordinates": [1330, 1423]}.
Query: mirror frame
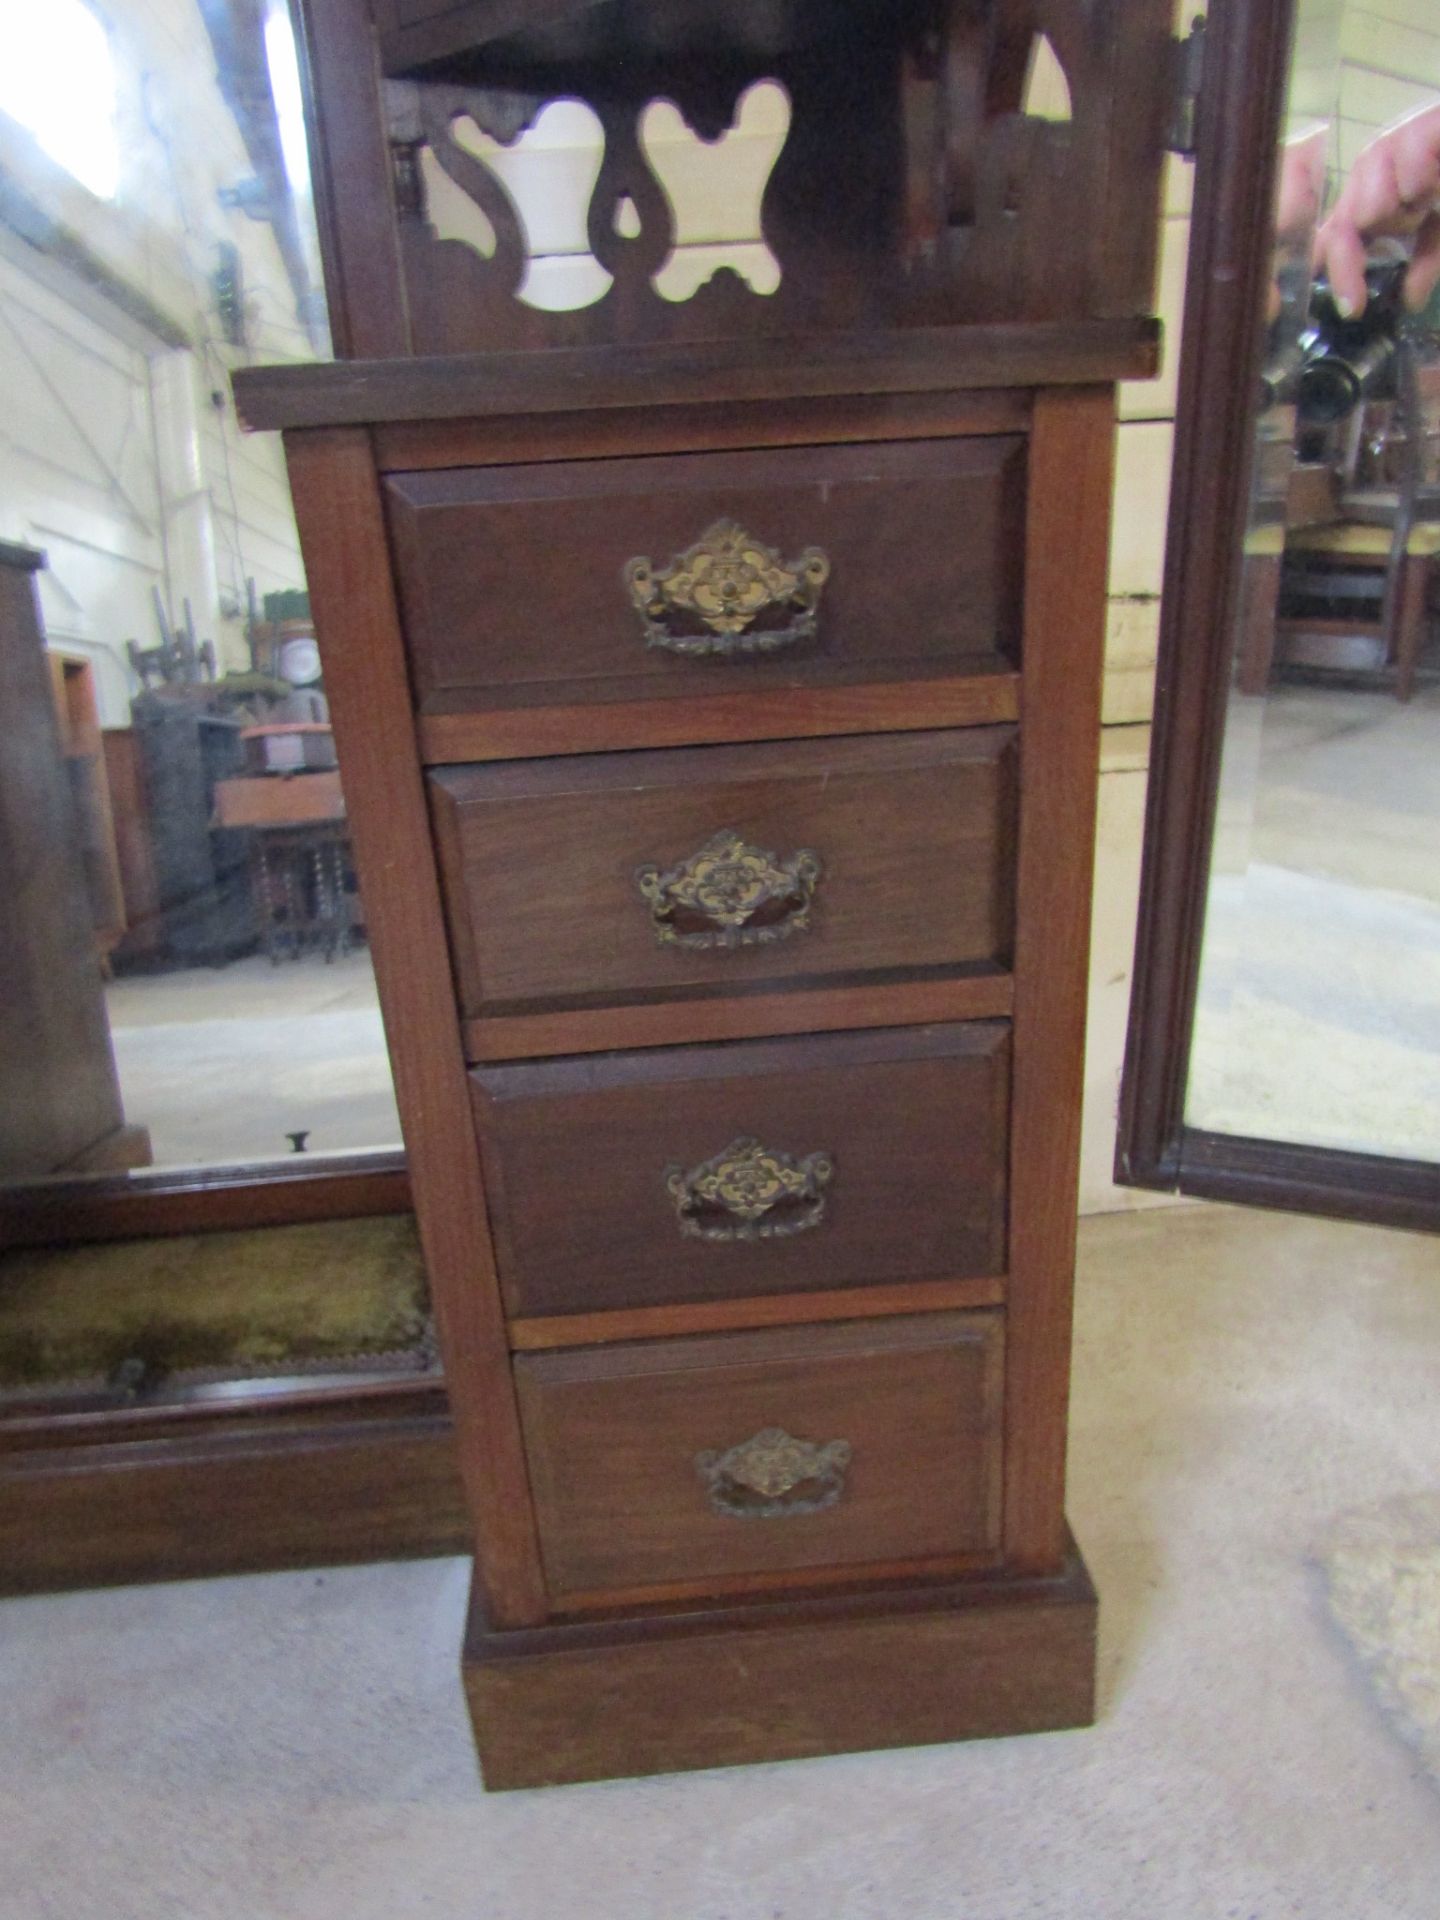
{"type": "Point", "coordinates": [1239, 122]}
{"type": "Point", "coordinates": [207, 1199]}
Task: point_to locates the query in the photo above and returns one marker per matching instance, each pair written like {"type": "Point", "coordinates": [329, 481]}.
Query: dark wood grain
{"type": "Point", "coordinates": [918, 360]}
{"type": "Point", "coordinates": [770, 1680]}
{"type": "Point", "coordinates": [405, 446]}
{"type": "Point", "coordinates": [986, 694]}
{"type": "Point", "coordinates": [352, 179]}
{"type": "Point", "coordinates": [613, 1434]}
{"type": "Point", "coordinates": [224, 1485]}
{"type": "Point", "coordinates": [1302, 1179]}
{"type": "Point", "coordinates": [337, 507]}
{"type": "Point", "coordinates": [1067, 549]}
{"type": "Point", "coordinates": [512, 579]}
{"type": "Point", "coordinates": [984, 995]}
{"type": "Point", "coordinates": [913, 833]}
{"type": "Point", "coordinates": [577, 1155]}
{"type": "Point", "coordinates": [933, 1570]}
{"type": "Point", "coordinates": [760, 1310]}
{"type": "Point", "coordinates": [272, 1193]}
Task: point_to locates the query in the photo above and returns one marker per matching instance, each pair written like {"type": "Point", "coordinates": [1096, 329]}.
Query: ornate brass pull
{"type": "Point", "coordinates": [773, 1476]}
{"type": "Point", "coordinates": [750, 1192]}
{"type": "Point", "coordinates": [730, 894]}
{"type": "Point", "coordinates": [706, 602]}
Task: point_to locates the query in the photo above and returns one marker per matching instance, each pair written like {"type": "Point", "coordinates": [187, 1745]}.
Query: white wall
{"type": "Point", "coordinates": [119, 452]}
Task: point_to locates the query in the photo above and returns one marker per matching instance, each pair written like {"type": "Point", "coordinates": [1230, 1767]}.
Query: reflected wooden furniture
{"type": "Point", "coordinates": [1349, 563]}
{"type": "Point", "coordinates": [716, 686]}
{"type": "Point", "coordinates": [62, 1107]}
{"type": "Point", "coordinates": [82, 743]}
{"type": "Point", "coordinates": [300, 866]}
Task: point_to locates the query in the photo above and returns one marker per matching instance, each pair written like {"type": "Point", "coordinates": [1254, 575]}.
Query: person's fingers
{"type": "Point", "coordinates": [1424, 275]}
{"type": "Point", "coordinates": [1372, 195]}
{"type": "Point", "coordinates": [1415, 145]}
{"type": "Point", "coordinates": [1343, 252]}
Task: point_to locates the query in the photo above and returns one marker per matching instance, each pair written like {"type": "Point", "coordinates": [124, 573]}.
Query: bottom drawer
{"type": "Point", "coordinates": [680, 1461]}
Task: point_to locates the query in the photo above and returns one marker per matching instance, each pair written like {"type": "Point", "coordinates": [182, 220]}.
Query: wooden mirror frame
{"type": "Point", "coordinates": [1241, 109]}
{"type": "Point", "coordinates": [204, 1199]}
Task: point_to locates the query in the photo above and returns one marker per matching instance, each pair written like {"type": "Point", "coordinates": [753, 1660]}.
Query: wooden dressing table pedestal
{"type": "Point", "coordinates": [716, 688]}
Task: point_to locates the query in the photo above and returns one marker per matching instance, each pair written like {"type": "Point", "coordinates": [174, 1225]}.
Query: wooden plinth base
{"type": "Point", "coordinates": [620, 1695]}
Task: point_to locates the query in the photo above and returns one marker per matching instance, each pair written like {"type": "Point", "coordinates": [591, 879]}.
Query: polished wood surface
{"type": "Point", "coordinates": [220, 1484]}
{"type": "Point", "coordinates": [266, 1193]}
{"type": "Point", "coordinates": [829, 420]}
{"type": "Point", "coordinates": [512, 579]}
{"type": "Point", "coordinates": [985, 693]}
{"type": "Point", "coordinates": [767, 1680]}
{"type": "Point", "coordinates": [578, 1153]}
{"type": "Point", "coordinates": [1067, 548]}
{"type": "Point", "coordinates": [613, 1435]}
{"type": "Point", "coordinates": [540, 860]}
{"type": "Point", "coordinates": [982, 995]}
{"type": "Point", "coordinates": [920, 360]}
{"type": "Point", "coordinates": [338, 511]}
{"type": "Point", "coordinates": [926, 396]}
{"type": "Point", "coordinates": [761, 1310]}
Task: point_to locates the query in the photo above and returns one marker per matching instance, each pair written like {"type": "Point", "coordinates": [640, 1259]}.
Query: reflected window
{"type": "Point", "coordinates": [206, 997]}
{"type": "Point", "coordinates": [57, 78]}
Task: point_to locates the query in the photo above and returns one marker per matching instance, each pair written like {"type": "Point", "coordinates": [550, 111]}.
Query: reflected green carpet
{"type": "Point", "coordinates": [338, 1290]}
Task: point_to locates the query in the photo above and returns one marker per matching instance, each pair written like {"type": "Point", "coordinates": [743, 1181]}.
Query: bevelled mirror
{"type": "Point", "coordinates": [1284, 1042]}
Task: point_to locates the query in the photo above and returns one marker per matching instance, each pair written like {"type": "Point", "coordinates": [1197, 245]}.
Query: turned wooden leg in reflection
{"type": "Point", "coordinates": [1411, 621]}
{"type": "Point", "coordinates": [1259, 602]}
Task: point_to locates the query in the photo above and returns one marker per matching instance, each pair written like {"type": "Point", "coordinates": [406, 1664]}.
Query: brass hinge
{"type": "Point", "coordinates": [1188, 73]}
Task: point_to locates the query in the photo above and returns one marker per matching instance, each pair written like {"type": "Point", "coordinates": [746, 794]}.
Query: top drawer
{"type": "Point", "coordinates": [601, 580]}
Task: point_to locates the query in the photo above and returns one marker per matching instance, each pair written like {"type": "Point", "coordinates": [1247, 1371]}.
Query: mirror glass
{"type": "Point", "coordinates": [1318, 1014]}
{"type": "Point", "coordinates": [186, 977]}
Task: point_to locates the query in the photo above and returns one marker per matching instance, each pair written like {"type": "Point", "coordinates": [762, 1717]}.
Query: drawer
{"type": "Point", "coordinates": [699, 1173]}
{"type": "Point", "coordinates": [604, 878]}
{"type": "Point", "coordinates": [679, 1461]}
{"type": "Point", "coordinates": [597, 580]}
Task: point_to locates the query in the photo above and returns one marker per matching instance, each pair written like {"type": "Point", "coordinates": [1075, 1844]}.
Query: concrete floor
{"type": "Point", "coordinates": [293, 1747]}
{"type": "Point", "coordinates": [221, 1063]}
{"type": "Point", "coordinates": [1319, 1009]}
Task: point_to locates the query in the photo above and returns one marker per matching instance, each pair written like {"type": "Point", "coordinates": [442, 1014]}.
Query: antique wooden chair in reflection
{"type": "Point", "coordinates": [1349, 583]}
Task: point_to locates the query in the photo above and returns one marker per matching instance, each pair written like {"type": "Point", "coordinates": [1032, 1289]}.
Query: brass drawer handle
{"type": "Point", "coordinates": [774, 1477]}
{"type": "Point", "coordinates": [750, 1192]}
{"type": "Point", "coordinates": [730, 894]}
{"type": "Point", "coordinates": [706, 602]}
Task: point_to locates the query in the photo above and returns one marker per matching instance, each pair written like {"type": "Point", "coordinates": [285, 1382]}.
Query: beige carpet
{"type": "Point", "coordinates": [1383, 1569]}
{"type": "Point", "coordinates": [294, 1746]}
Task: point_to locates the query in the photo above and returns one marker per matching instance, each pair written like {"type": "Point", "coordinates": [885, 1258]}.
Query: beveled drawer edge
{"type": "Point", "coordinates": [551, 1332]}
{"type": "Point", "coordinates": [716, 719]}
{"type": "Point", "coordinates": [764, 1016]}
{"type": "Point", "coordinates": [807, 1341]}
{"type": "Point", "coordinates": [506, 440]}
{"type": "Point", "coordinates": [793, 1584]}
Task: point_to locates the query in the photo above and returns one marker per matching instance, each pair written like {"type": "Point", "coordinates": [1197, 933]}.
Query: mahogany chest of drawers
{"type": "Point", "coordinates": [719, 728]}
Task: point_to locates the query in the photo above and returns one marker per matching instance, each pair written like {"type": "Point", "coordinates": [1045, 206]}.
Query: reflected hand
{"type": "Point", "coordinates": [1393, 192]}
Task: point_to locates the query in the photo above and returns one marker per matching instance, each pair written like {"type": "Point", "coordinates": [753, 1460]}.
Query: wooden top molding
{"type": "Point", "coordinates": [910, 360]}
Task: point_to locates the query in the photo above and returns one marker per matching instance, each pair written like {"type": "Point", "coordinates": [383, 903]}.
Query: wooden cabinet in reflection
{"type": "Point", "coordinates": [61, 1109]}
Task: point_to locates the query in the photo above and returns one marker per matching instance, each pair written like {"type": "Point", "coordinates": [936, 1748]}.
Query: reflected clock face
{"type": "Point", "coordinates": [300, 661]}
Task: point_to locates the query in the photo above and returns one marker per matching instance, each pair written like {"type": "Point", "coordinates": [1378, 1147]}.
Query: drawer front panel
{"type": "Point", "coordinates": [708, 1458]}
{"type": "Point", "coordinates": [605, 579]}
{"type": "Point", "coordinates": [699, 1173]}
{"type": "Point", "coordinates": [607, 877]}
